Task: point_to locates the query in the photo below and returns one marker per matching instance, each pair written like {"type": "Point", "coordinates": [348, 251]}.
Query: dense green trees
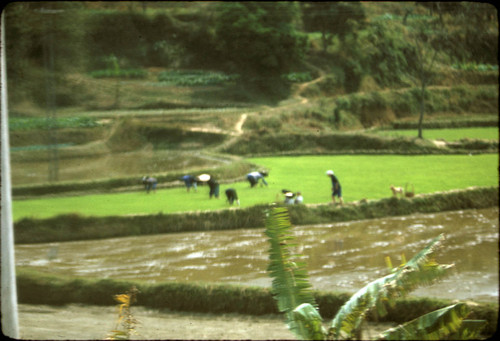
{"type": "Point", "coordinates": [260, 37]}
{"type": "Point", "coordinates": [261, 41]}
{"type": "Point", "coordinates": [471, 30]}
{"type": "Point", "coordinates": [334, 18]}
{"type": "Point", "coordinates": [41, 36]}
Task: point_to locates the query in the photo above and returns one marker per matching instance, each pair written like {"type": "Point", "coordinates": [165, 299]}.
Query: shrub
{"type": "Point", "coordinates": [125, 73]}
{"type": "Point", "coordinates": [297, 77]}
{"type": "Point", "coordinates": [195, 77]}
{"type": "Point", "coordinates": [473, 66]}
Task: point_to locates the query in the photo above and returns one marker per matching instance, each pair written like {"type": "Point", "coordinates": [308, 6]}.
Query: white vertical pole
{"type": "Point", "coordinates": [9, 291]}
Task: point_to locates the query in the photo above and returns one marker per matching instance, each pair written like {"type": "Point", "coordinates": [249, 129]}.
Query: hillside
{"type": "Point", "coordinates": [195, 112]}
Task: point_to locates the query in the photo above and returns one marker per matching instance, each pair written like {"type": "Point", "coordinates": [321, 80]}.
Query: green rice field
{"type": "Point", "coordinates": [361, 176]}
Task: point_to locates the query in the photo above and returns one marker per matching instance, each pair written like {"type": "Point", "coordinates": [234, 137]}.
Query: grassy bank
{"type": "Point", "coordinates": [75, 227]}
{"type": "Point", "coordinates": [257, 144]}
{"type": "Point", "coordinates": [37, 288]}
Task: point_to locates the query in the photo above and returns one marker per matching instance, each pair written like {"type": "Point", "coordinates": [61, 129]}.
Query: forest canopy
{"type": "Point", "coordinates": [260, 41]}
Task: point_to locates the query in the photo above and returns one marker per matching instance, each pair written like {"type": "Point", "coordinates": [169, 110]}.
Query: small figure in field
{"type": "Point", "coordinates": [397, 191]}
{"type": "Point", "coordinates": [254, 178]}
{"type": "Point", "coordinates": [292, 198]}
{"type": "Point", "coordinates": [149, 183]}
{"type": "Point", "coordinates": [289, 195]}
{"type": "Point", "coordinates": [214, 188]}
{"type": "Point", "coordinates": [232, 196]}
{"type": "Point", "coordinates": [299, 199]}
{"type": "Point", "coordinates": [336, 188]}
{"type": "Point", "coordinates": [212, 184]}
{"type": "Point", "coordinates": [190, 181]}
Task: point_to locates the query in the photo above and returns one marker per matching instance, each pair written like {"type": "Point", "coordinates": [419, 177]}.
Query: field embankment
{"type": "Point", "coordinates": [37, 288]}
{"type": "Point", "coordinates": [75, 227]}
{"type": "Point", "coordinates": [350, 143]}
{"type": "Point", "coordinates": [235, 169]}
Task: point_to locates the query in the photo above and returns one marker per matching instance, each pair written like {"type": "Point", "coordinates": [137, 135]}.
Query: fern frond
{"type": "Point", "coordinates": [290, 285]}
{"type": "Point", "coordinates": [417, 272]}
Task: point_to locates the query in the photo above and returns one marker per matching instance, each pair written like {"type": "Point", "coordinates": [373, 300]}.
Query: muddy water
{"type": "Point", "coordinates": [340, 257]}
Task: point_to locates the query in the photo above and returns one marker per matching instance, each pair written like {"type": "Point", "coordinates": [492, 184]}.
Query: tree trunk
{"type": "Point", "coordinates": [324, 40]}
{"type": "Point", "coordinates": [422, 110]}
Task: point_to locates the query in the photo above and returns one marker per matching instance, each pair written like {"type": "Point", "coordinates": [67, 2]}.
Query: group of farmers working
{"type": "Point", "coordinates": [231, 195]}
{"type": "Point", "coordinates": [254, 178]}
{"type": "Point", "coordinates": [190, 181]}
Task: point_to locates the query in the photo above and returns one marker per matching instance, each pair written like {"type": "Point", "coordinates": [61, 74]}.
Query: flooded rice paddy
{"type": "Point", "coordinates": [340, 257]}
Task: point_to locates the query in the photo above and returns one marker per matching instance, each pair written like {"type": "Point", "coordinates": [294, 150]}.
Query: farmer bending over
{"type": "Point", "coordinates": [254, 178]}
{"type": "Point", "coordinates": [232, 196]}
{"type": "Point", "coordinates": [149, 183]}
{"type": "Point", "coordinates": [189, 181]}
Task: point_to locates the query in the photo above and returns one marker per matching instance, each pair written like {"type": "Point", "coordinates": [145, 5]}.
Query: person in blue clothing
{"type": "Point", "coordinates": [336, 188]}
{"type": "Point", "coordinates": [254, 178]}
{"type": "Point", "coordinates": [190, 181]}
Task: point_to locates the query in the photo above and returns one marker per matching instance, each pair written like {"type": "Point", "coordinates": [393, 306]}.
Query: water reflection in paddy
{"type": "Point", "coordinates": [340, 257]}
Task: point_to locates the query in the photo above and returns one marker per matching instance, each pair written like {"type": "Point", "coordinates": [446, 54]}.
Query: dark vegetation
{"type": "Point", "coordinates": [367, 46]}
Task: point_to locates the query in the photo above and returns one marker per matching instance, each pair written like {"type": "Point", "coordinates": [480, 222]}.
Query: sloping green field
{"type": "Point", "coordinates": [362, 177]}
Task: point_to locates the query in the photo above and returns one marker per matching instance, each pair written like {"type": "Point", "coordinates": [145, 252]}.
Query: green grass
{"type": "Point", "coordinates": [450, 135]}
{"type": "Point", "coordinates": [30, 123]}
{"type": "Point", "coordinates": [361, 177]}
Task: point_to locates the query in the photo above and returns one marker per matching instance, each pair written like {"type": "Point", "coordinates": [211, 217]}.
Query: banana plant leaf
{"type": "Point", "coordinates": [417, 272]}
{"type": "Point", "coordinates": [293, 292]}
{"type": "Point", "coordinates": [447, 323]}
{"type": "Point", "coordinates": [309, 322]}
{"type": "Point", "coordinates": [290, 285]}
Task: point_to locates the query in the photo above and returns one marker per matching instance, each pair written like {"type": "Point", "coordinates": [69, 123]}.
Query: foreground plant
{"type": "Point", "coordinates": [293, 292]}
{"type": "Point", "coordinates": [125, 325]}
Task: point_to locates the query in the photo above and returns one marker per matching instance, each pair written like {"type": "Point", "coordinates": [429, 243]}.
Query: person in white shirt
{"type": "Point", "coordinates": [299, 199]}
{"type": "Point", "coordinates": [254, 178]}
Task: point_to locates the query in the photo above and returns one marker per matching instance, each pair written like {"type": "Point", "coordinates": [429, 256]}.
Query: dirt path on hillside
{"type": "Point", "coordinates": [80, 322]}
{"type": "Point", "coordinates": [239, 125]}
{"type": "Point", "coordinates": [303, 86]}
